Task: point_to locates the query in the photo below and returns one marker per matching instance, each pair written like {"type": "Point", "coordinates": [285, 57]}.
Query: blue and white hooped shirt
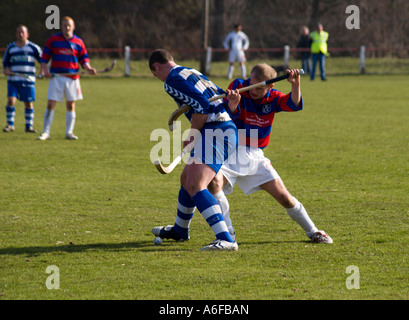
{"type": "Point", "coordinates": [22, 60]}
{"type": "Point", "coordinates": [189, 86]}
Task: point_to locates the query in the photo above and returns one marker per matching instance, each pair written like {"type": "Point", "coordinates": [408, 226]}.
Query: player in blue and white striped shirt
{"type": "Point", "coordinates": [214, 135]}
{"type": "Point", "coordinates": [20, 58]}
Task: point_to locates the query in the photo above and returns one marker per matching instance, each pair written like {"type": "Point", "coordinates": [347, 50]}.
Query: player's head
{"type": "Point", "coordinates": [22, 33]}
{"type": "Point", "coordinates": [160, 56]}
{"type": "Point", "coordinates": [261, 72]}
{"type": "Point", "coordinates": [237, 27]}
{"type": "Point", "coordinates": [67, 27]}
{"type": "Point", "coordinates": [159, 62]}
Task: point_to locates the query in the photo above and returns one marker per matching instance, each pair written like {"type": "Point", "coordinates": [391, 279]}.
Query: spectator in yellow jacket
{"type": "Point", "coordinates": [319, 50]}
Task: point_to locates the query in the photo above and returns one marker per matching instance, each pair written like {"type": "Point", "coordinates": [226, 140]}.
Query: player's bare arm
{"type": "Point", "coordinates": [295, 80]}
{"type": "Point", "coordinates": [198, 121]}
{"type": "Point", "coordinates": [44, 70]}
{"type": "Point", "coordinates": [89, 69]}
{"type": "Point", "coordinates": [7, 71]}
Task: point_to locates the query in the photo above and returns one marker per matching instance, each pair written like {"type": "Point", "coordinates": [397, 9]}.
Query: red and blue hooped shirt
{"type": "Point", "coordinates": [258, 116]}
{"type": "Point", "coordinates": [66, 55]}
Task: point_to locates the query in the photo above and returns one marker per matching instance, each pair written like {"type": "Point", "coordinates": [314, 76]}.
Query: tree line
{"type": "Point", "coordinates": [177, 24]}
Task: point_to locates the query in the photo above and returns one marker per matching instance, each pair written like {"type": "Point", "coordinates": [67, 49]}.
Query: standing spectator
{"type": "Point", "coordinates": [19, 66]}
{"type": "Point", "coordinates": [319, 50]}
{"type": "Point", "coordinates": [67, 52]}
{"type": "Point", "coordinates": [304, 43]}
{"type": "Point", "coordinates": [237, 43]}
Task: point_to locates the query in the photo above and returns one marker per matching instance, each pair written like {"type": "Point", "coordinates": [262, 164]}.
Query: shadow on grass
{"type": "Point", "coordinates": [146, 246]}
{"type": "Point", "coordinates": [269, 242]}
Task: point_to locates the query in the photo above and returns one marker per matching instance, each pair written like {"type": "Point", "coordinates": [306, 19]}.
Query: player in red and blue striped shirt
{"type": "Point", "coordinates": [257, 111]}
{"type": "Point", "coordinates": [67, 52]}
{"type": "Point", "coordinates": [254, 115]}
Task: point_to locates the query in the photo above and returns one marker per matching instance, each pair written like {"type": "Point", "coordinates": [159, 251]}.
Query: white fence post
{"type": "Point", "coordinates": [362, 59]}
{"type": "Point", "coordinates": [286, 56]}
{"type": "Point", "coordinates": [208, 59]}
{"type": "Point", "coordinates": [127, 61]}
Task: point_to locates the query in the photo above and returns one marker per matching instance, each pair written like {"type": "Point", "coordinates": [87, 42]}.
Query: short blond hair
{"type": "Point", "coordinates": [263, 71]}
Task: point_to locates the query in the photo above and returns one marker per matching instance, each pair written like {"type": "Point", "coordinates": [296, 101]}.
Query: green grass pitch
{"type": "Point", "coordinates": [88, 206]}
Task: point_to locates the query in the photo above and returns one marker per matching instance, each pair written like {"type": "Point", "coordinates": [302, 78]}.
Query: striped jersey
{"type": "Point", "coordinates": [66, 55]}
{"type": "Point", "coordinates": [257, 116]}
{"type": "Point", "coordinates": [190, 87]}
{"type": "Point", "coordinates": [22, 60]}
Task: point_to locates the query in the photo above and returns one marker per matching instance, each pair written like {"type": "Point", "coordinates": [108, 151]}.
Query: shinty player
{"type": "Point", "coordinates": [67, 52]}
{"type": "Point", "coordinates": [237, 42]}
{"type": "Point", "coordinates": [20, 58]}
{"type": "Point", "coordinates": [189, 86]}
{"type": "Point", "coordinates": [255, 112]}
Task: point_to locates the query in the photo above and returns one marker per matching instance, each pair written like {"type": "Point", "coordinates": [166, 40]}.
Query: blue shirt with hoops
{"type": "Point", "coordinates": [22, 60]}
{"type": "Point", "coordinates": [219, 134]}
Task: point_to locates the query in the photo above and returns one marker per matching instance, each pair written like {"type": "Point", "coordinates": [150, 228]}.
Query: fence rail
{"type": "Point", "coordinates": [285, 53]}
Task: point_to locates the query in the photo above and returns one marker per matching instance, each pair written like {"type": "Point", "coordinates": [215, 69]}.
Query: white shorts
{"type": "Point", "coordinates": [237, 55]}
{"type": "Point", "coordinates": [249, 170]}
{"type": "Point", "coordinates": [60, 87]}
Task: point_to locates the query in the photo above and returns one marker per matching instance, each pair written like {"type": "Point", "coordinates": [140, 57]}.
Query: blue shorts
{"type": "Point", "coordinates": [22, 93]}
{"type": "Point", "coordinates": [218, 140]}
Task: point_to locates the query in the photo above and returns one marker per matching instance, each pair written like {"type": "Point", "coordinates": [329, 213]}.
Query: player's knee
{"type": "Point", "coordinates": [212, 187]}
{"type": "Point", "coordinates": [11, 101]}
{"type": "Point", "coordinates": [192, 189]}
{"type": "Point", "coordinates": [216, 184]}
{"type": "Point", "coordinates": [70, 105]}
{"type": "Point", "coordinates": [51, 104]}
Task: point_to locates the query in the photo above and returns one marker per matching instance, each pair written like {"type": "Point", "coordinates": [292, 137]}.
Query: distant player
{"type": "Point", "coordinates": [237, 43]}
{"type": "Point", "coordinates": [252, 171]}
{"type": "Point", "coordinates": [20, 58]}
{"type": "Point", "coordinates": [67, 52]}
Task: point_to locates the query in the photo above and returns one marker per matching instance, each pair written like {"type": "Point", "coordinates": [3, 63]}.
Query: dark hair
{"type": "Point", "coordinates": [159, 56]}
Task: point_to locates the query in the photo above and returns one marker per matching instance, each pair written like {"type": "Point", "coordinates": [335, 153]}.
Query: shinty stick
{"type": "Point", "coordinates": [185, 108]}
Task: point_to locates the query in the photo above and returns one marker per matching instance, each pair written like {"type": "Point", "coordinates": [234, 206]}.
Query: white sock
{"type": "Point", "coordinates": [243, 71]}
{"type": "Point", "coordinates": [224, 205]}
{"type": "Point", "coordinates": [300, 215]}
{"type": "Point", "coordinates": [230, 72]}
{"type": "Point", "coordinates": [70, 121]}
{"type": "Point", "coordinates": [48, 120]}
